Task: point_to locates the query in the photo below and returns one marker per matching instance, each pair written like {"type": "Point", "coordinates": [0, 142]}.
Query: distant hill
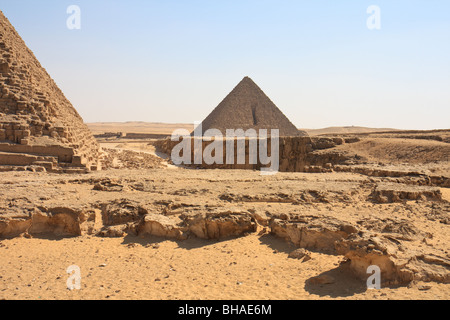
{"type": "Point", "coordinates": [345, 130]}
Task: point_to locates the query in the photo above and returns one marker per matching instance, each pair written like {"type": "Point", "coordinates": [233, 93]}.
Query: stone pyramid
{"type": "Point", "coordinates": [39, 127]}
{"type": "Point", "coordinates": [248, 107]}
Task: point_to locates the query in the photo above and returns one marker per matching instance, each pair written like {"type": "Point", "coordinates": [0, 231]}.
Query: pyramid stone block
{"type": "Point", "coordinates": [35, 116]}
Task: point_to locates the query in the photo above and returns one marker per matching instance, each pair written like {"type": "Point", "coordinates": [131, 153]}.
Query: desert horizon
{"type": "Point", "coordinates": [168, 128]}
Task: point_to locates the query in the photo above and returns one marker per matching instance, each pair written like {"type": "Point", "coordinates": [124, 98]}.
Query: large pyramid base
{"type": "Point", "coordinates": [26, 145]}
{"type": "Point", "coordinates": [42, 159]}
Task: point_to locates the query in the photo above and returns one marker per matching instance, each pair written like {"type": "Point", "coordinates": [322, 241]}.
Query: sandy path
{"type": "Point", "coordinates": [139, 147]}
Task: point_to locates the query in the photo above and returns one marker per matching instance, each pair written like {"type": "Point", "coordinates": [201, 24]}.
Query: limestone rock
{"type": "Point", "coordinates": [397, 266]}
{"type": "Point", "coordinates": [122, 211]}
{"type": "Point", "coordinates": [313, 233]}
{"type": "Point", "coordinates": [161, 226]}
{"type": "Point", "coordinates": [300, 254]}
{"type": "Point", "coordinates": [117, 231]}
{"type": "Point", "coordinates": [219, 225]}
{"type": "Point", "coordinates": [389, 193]}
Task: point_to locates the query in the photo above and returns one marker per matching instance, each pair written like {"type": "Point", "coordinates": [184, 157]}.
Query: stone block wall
{"type": "Point", "coordinates": [296, 154]}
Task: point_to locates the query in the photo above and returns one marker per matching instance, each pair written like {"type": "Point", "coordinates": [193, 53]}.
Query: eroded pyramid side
{"type": "Point", "coordinates": [38, 125]}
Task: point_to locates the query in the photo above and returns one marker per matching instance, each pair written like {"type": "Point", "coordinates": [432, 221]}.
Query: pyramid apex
{"type": "Point", "coordinates": [249, 81]}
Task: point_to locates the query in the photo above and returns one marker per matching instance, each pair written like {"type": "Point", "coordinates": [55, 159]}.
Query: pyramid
{"type": "Point", "coordinates": [248, 107]}
{"type": "Point", "coordinates": [38, 125]}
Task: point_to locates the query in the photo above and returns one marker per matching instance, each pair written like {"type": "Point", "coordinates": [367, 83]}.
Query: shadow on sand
{"type": "Point", "coordinates": [51, 236]}
{"type": "Point", "coordinates": [344, 283]}
{"type": "Point", "coordinates": [276, 243]}
{"type": "Point", "coordinates": [188, 244]}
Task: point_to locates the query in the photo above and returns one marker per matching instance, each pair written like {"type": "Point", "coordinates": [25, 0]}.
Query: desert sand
{"type": "Point", "coordinates": [251, 267]}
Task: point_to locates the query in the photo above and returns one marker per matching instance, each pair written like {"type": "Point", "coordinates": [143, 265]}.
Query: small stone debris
{"type": "Point", "coordinates": [322, 279]}
{"type": "Point", "coordinates": [153, 245]}
{"type": "Point", "coordinates": [300, 254]}
{"type": "Point", "coordinates": [424, 287]}
{"type": "Point", "coordinates": [262, 232]}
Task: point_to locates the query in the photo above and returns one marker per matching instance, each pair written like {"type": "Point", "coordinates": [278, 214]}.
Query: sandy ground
{"type": "Point", "coordinates": [251, 267]}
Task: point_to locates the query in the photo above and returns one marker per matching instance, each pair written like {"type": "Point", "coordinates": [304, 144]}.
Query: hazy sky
{"type": "Point", "coordinates": [175, 60]}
